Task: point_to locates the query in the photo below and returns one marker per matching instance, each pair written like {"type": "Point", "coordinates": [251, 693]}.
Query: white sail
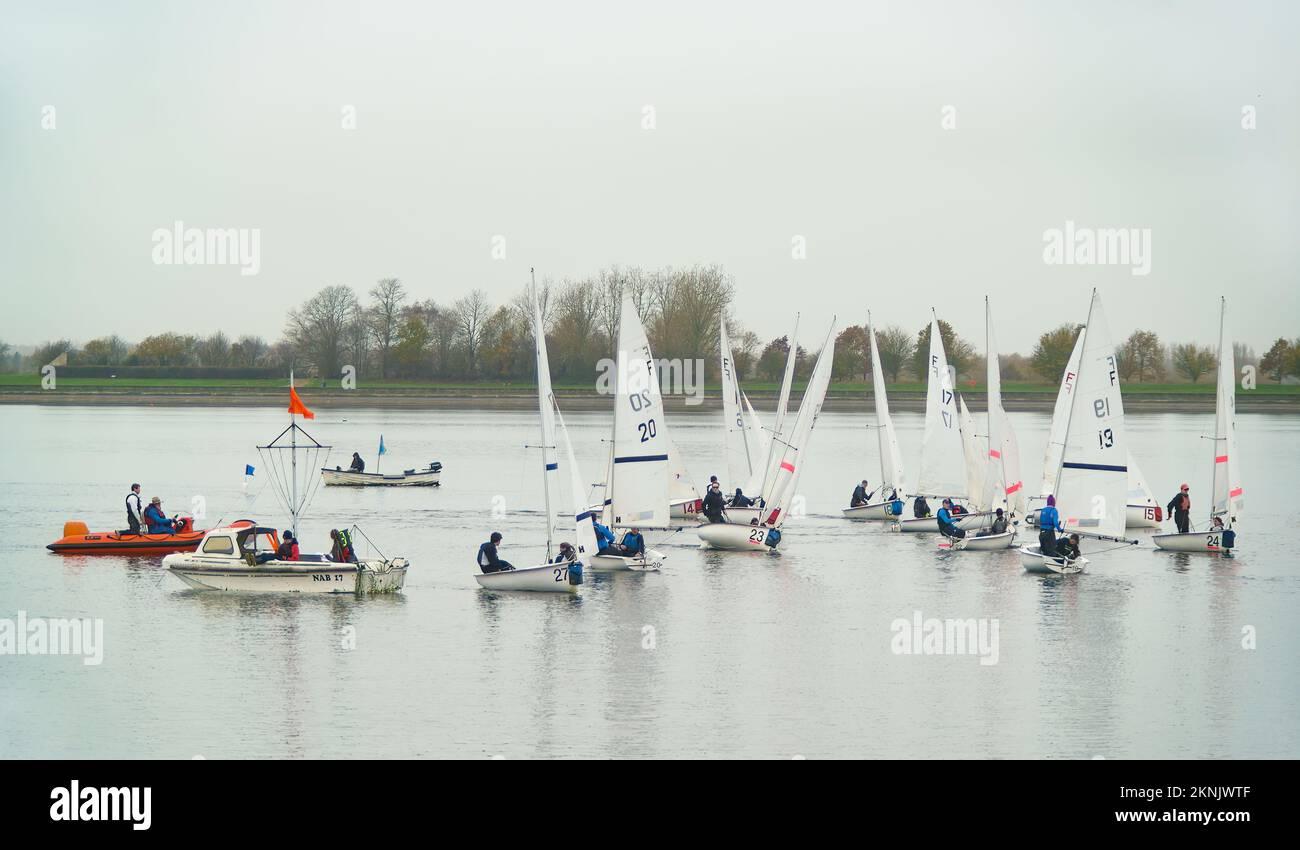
{"type": "Point", "coordinates": [993, 490]}
{"type": "Point", "coordinates": [1227, 490]}
{"type": "Point", "coordinates": [680, 487]}
{"type": "Point", "coordinates": [1139, 492]}
{"type": "Point", "coordinates": [891, 459]}
{"type": "Point", "coordinates": [758, 443]}
{"type": "Point", "coordinates": [1013, 489]}
{"type": "Point", "coordinates": [546, 407]}
{"type": "Point", "coordinates": [974, 448]}
{"type": "Point", "coordinates": [735, 433]}
{"type": "Point", "coordinates": [583, 530]}
{"type": "Point", "coordinates": [1060, 415]}
{"type": "Point", "coordinates": [792, 459]}
{"type": "Point", "coordinates": [943, 462]}
{"type": "Point", "coordinates": [1092, 486]}
{"type": "Point", "coordinates": [639, 485]}
{"type": "Point", "coordinates": [776, 446]}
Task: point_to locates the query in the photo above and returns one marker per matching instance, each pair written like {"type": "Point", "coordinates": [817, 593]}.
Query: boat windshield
{"type": "Point", "coordinates": [259, 539]}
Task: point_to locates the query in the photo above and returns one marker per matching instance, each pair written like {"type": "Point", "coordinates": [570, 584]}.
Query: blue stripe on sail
{"type": "Point", "coordinates": [639, 458]}
{"type": "Point", "coordinates": [584, 515]}
{"type": "Point", "coordinates": [552, 466]}
{"type": "Point", "coordinates": [1100, 467]}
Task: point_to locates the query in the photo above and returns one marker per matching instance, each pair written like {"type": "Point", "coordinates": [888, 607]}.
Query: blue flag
{"type": "Point", "coordinates": [381, 444]}
{"type": "Point", "coordinates": [248, 469]}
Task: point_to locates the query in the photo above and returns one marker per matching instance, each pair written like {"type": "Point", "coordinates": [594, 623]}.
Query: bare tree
{"type": "Point", "coordinates": [319, 329]}
{"type": "Point", "coordinates": [471, 312]}
{"type": "Point", "coordinates": [385, 318]}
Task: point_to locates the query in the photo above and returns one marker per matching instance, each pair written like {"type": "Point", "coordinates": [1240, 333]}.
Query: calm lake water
{"type": "Point", "coordinates": [753, 655]}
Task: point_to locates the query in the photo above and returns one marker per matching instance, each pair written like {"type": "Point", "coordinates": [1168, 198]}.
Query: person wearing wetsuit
{"type": "Point", "coordinates": [714, 504]}
{"type": "Point", "coordinates": [358, 465]}
{"type": "Point", "coordinates": [1069, 547]}
{"type": "Point", "coordinates": [740, 500]}
{"type": "Point", "coordinates": [1180, 507]}
{"type": "Point", "coordinates": [487, 556]}
{"type": "Point", "coordinates": [945, 518]}
{"type": "Point", "coordinates": [134, 509]}
{"type": "Point", "coordinates": [860, 495]}
{"type": "Point", "coordinates": [1049, 522]}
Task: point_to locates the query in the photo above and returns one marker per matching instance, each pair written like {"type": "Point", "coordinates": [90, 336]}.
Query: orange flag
{"type": "Point", "coordinates": [296, 405]}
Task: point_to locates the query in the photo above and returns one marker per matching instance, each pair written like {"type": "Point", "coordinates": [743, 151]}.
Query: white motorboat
{"type": "Point", "coordinates": [340, 477]}
{"type": "Point", "coordinates": [1226, 489]}
{"type": "Point", "coordinates": [891, 459]}
{"type": "Point", "coordinates": [242, 559]}
{"type": "Point", "coordinates": [1091, 481]}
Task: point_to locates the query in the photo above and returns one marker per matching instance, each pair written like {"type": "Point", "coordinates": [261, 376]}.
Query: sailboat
{"type": "Point", "coordinates": [1092, 477]}
{"type": "Point", "coordinates": [1141, 509]}
{"type": "Point", "coordinates": [891, 459]}
{"type": "Point", "coordinates": [741, 445]}
{"type": "Point", "coordinates": [243, 557]}
{"type": "Point", "coordinates": [1001, 484]}
{"type": "Point", "coordinates": [642, 450]}
{"type": "Point", "coordinates": [789, 457]}
{"type": "Point", "coordinates": [1228, 495]}
{"type": "Point", "coordinates": [564, 577]}
{"type": "Point", "coordinates": [943, 456]}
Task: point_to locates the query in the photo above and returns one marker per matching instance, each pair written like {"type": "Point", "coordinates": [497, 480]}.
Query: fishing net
{"type": "Point", "coordinates": [294, 460]}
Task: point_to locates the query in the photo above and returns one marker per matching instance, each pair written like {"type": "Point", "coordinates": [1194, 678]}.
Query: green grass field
{"type": "Point", "coordinates": [33, 382]}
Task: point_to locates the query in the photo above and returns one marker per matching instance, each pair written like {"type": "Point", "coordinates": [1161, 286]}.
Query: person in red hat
{"type": "Point", "coordinates": [1180, 507]}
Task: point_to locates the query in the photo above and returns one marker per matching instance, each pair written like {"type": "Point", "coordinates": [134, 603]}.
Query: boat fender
{"type": "Point", "coordinates": [773, 537]}
{"type": "Point", "coordinates": [1160, 514]}
{"type": "Point", "coordinates": [575, 573]}
{"type": "Point", "coordinates": [1229, 539]}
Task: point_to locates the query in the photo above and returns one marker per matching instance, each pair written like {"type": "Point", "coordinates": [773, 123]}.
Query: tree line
{"type": "Point", "coordinates": [389, 334]}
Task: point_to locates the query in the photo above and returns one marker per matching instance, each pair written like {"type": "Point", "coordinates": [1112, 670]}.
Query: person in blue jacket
{"type": "Point", "coordinates": [945, 518]}
{"type": "Point", "coordinates": [604, 540]}
{"type": "Point", "coordinates": [633, 542]}
{"type": "Point", "coordinates": [1049, 522]}
{"type": "Point", "coordinates": [156, 520]}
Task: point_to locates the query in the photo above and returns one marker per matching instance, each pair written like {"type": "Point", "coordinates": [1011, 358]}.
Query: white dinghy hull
{"type": "Point", "coordinates": [1032, 559]}
{"type": "Point", "coordinates": [1209, 542]}
{"type": "Point", "coordinates": [925, 525]}
{"type": "Point", "coordinates": [684, 509]}
{"type": "Point", "coordinates": [1141, 516]}
{"type": "Point", "coordinates": [874, 512]}
{"type": "Point", "coordinates": [547, 578]}
{"type": "Point", "coordinates": [651, 561]}
{"type": "Point", "coordinates": [988, 543]}
{"type": "Point", "coordinates": [733, 537]}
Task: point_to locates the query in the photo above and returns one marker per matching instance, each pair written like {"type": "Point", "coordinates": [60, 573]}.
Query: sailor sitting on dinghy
{"type": "Point", "coordinates": [945, 518]}
{"type": "Point", "coordinates": [1049, 522]}
{"type": "Point", "coordinates": [860, 495]}
{"type": "Point", "coordinates": [740, 500]}
{"type": "Point", "coordinates": [999, 526]}
{"type": "Point", "coordinates": [358, 465]}
{"type": "Point", "coordinates": [157, 520]}
{"type": "Point", "coordinates": [1068, 548]}
{"type": "Point", "coordinates": [605, 544]}
{"type": "Point", "coordinates": [633, 542]}
{"type": "Point", "coordinates": [487, 556]}
{"type": "Point", "coordinates": [567, 554]}
{"type": "Point", "coordinates": [920, 508]}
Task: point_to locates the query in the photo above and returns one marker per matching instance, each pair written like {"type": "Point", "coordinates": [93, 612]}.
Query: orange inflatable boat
{"type": "Point", "coordinates": [78, 540]}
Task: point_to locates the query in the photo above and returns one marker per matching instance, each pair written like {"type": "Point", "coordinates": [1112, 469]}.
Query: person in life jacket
{"type": "Point", "coordinates": [342, 551]}
{"type": "Point", "coordinates": [945, 518]}
{"type": "Point", "coordinates": [157, 520]}
{"type": "Point", "coordinates": [740, 500]}
{"type": "Point", "coordinates": [358, 465]}
{"type": "Point", "coordinates": [288, 548]}
{"type": "Point", "coordinates": [633, 542]}
{"type": "Point", "coordinates": [714, 504]}
{"type": "Point", "coordinates": [920, 508]}
{"type": "Point", "coordinates": [1180, 507]}
{"type": "Point", "coordinates": [605, 544]}
{"type": "Point", "coordinates": [999, 526]}
{"type": "Point", "coordinates": [487, 556]}
{"type": "Point", "coordinates": [134, 509]}
{"type": "Point", "coordinates": [567, 554]}
{"type": "Point", "coordinates": [860, 495]}
{"type": "Point", "coordinates": [1049, 522]}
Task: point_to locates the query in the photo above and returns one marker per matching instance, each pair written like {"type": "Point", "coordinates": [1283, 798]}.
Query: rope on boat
{"type": "Point", "coordinates": [358, 530]}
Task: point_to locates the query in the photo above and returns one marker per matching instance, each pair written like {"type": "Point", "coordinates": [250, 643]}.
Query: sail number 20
{"type": "Point", "coordinates": [639, 401]}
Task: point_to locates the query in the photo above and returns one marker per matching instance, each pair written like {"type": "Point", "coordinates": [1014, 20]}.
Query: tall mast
{"type": "Point", "coordinates": [539, 331]}
{"type": "Point", "coordinates": [293, 459]}
{"type": "Point", "coordinates": [1070, 414]}
{"type": "Point", "coordinates": [1214, 444]}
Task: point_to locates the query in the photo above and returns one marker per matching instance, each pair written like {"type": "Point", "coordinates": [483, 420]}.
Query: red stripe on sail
{"type": "Point", "coordinates": [1232, 494]}
{"type": "Point", "coordinates": [1221, 459]}
{"type": "Point", "coordinates": [1013, 488]}
{"type": "Point", "coordinates": [787, 466]}
{"type": "Point", "coordinates": [995, 454]}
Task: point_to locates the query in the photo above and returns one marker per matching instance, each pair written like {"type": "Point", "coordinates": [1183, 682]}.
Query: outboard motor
{"type": "Point", "coordinates": [435, 467]}
{"type": "Point", "coordinates": [185, 525]}
{"type": "Point", "coordinates": [773, 537]}
{"type": "Point", "coordinates": [575, 573]}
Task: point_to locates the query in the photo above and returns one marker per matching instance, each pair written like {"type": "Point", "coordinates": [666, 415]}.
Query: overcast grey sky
{"type": "Point", "coordinates": [525, 120]}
